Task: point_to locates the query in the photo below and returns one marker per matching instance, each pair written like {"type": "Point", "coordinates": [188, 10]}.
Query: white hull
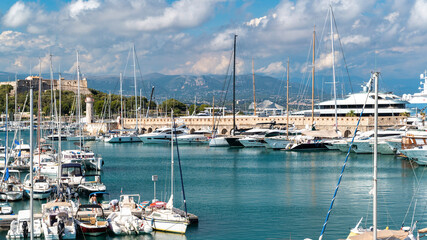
{"type": "Point", "coordinates": [362, 147]}
{"type": "Point", "coordinates": [51, 233]}
{"type": "Point", "coordinates": [154, 139]}
{"type": "Point", "coordinates": [83, 138]}
{"type": "Point", "coordinates": [123, 139]}
{"type": "Point", "coordinates": [192, 139]}
{"type": "Point", "coordinates": [168, 226]}
{"type": "Point", "coordinates": [37, 194]}
{"type": "Point", "coordinates": [12, 196]}
{"type": "Point", "coordinates": [218, 142]}
{"type": "Point", "coordinates": [385, 149]}
{"type": "Point", "coordinates": [419, 155]}
{"type": "Point", "coordinates": [252, 142]}
{"type": "Point", "coordinates": [277, 143]}
{"type": "Point", "coordinates": [395, 145]}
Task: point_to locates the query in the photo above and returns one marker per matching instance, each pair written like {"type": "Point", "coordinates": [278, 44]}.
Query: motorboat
{"type": "Point", "coordinates": [92, 185]}
{"type": "Point", "coordinates": [339, 144]}
{"type": "Point", "coordinates": [11, 186]}
{"type": "Point", "coordinates": [103, 198]}
{"type": "Point", "coordinates": [125, 223]}
{"type": "Point", "coordinates": [91, 225]}
{"type": "Point", "coordinates": [41, 186]}
{"type": "Point", "coordinates": [417, 154]}
{"type": "Point", "coordinates": [21, 151]}
{"type": "Point", "coordinates": [219, 141]}
{"type": "Point", "coordinates": [120, 136]}
{"type": "Point", "coordinates": [163, 135]}
{"type": "Point", "coordinates": [71, 174]}
{"type": "Point", "coordinates": [5, 208]}
{"type": "Point", "coordinates": [58, 220]}
{"type": "Point", "coordinates": [131, 201]}
{"type": "Point", "coordinates": [192, 139]}
{"type": "Point", "coordinates": [84, 156]}
{"type": "Point", "coordinates": [20, 227]}
{"type": "Point", "coordinates": [364, 142]}
{"type": "Point", "coordinates": [277, 142]}
{"type": "Point", "coordinates": [81, 138]}
{"type": "Point", "coordinates": [45, 164]}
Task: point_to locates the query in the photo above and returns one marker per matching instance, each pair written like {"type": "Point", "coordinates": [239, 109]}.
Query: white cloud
{"type": "Point", "coordinates": [18, 15]}
{"type": "Point", "coordinates": [272, 68]}
{"type": "Point", "coordinates": [182, 14]}
{"type": "Point", "coordinates": [325, 60]}
{"type": "Point", "coordinates": [355, 39]}
{"type": "Point", "coordinates": [80, 6]}
{"type": "Point", "coordinates": [392, 17]}
{"type": "Point", "coordinates": [256, 22]}
{"type": "Point", "coordinates": [418, 16]}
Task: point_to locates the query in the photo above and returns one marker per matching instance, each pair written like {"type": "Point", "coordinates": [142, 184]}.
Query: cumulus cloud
{"type": "Point", "coordinates": [272, 68]}
{"type": "Point", "coordinates": [256, 22]}
{"type": "Point", "coordinates": [182, 14]}
{"type": "Point", "coordinates": [18, 15]}
{"type": "Point", "coordinates": [325, 60]}
{"type": "Point", "coordinates": [79, 6]}
{"type": "Point", "coordinates": [392, 17]}
{"type": "Point", "coordinates": [418, 18]}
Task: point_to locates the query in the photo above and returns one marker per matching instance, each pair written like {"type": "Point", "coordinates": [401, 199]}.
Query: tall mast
{"type": "Point", "coordinates": [234, 86]}
{"type": "Point", "coordinates": [312, 76]}
{"type": "Point", "coordinates": [78, 100]}
{"type": "Point", "coordinates": [253, 83]}
{"type": "Point", "coordinates": [172, 162]}
{"type": "Point", "coordinates": [333, 70]}
{"type": "Point", "coordinates": [121, 100]}
{"type": "Point", "coordinates": [374, 215]}
{"type": "Point", "coordinates": [16, 97]}
{"type": "Point", "coordinates": [287, 101]}
{"type": "Point", "coordinates": [59, 133]}
{"type": "Point", "coordinates": [213, 114]}
{"type": "Point", "coordinates": [31, 157]}
{"type": "Point", "coordinates": [134, 81]}
{"type": "Point", "coordinates": [39, 108]}
{"type": "Point", "coordinates": [51, 91]}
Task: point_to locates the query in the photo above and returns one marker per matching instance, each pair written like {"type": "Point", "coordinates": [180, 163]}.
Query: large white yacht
{"type": "Point", "coordinates": [388, 105]}
{"type": "Point", "coordinates": [421, 97]}
{"type": "Point", "coordinates": [163, 135]}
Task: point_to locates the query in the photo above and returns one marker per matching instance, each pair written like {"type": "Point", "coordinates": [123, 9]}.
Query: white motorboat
{"type": "Point", "coordinates": [85, 157]}
{"type": "Point", "coordinates": [418, 154]}
{"type": "Point", "coordinates": [41, 187]}
{"type": "Point", "coordinates": [46, 164]}
{"type": "Point", "coordinates": [91, 186]}
{"type": "Point", "coordinates": [163, 135]}
{"type": "Point", "coordinates": [121, 136]}
{"type": "Point", "coordinates": [71, 174]}
{"type": "Point", "coordinates": [21, 151]}
{"type": "Point", "coordinates": [12, 186]}
{"type": "Point", "coordinates": [253, 141]}
{"type": "Point", "coordinates": [219, 141]}
{"type": "Point", "coordinates": [339, 144]}
{"type": "Point", "coordinates": [124, 223]}
{"type": "Point", "coordinates": [277, 142]}
{"type": "Point", "coordinates": [192, 139]}
{"type": "Point", "coordinates": [364, 142]}
{"type": "Point", "coordinates": [5, 208]}
{"type": "Point", "coordinates": [58, 221]}
{"type": "Point", "coordinates": [20, 228]}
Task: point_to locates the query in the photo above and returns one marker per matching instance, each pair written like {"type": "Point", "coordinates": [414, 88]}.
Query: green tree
{"type": "Point", "coordinates": [351, 113]}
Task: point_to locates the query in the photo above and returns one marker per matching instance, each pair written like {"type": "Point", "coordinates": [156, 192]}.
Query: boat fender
{"type": "Point", "coordinates": [25, 229]}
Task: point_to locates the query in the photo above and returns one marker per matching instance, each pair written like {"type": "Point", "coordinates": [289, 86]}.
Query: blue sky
{"type": "Point", "coordinates": [195, 36]}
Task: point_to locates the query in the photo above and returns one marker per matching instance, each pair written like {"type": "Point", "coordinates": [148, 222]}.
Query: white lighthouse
{"type": "Point", "coordinates": [89, 109]}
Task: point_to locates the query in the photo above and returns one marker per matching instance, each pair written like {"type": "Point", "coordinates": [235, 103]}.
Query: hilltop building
{"type": "Point", "coordinates": [23, 85]}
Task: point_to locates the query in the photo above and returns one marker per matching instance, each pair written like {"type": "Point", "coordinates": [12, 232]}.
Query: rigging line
{"type": "Point", "coordinates": [413, 195]}
{"type": "Point", "coordinates": [144, 89]}
{"type": "Point", "coordinates": [345, 163]}
{"type": "Point", "coordinates": [388, 213]}
{"type": "Point", "coordinates": [342, 51]}
{"type": "Point", "coordinates": [303, 88]}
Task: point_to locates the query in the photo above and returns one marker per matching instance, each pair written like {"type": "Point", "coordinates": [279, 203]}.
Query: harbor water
{"type": "Point", "coordinates": [241, 193]}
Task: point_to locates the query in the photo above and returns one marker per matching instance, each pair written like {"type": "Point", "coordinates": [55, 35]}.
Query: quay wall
{"type": "Point", "coordinates": [345, 124]}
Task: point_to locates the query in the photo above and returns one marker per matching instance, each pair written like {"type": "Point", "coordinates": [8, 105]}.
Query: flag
{"type": "Point", "coordinates": [16, 142]}
{"type": "Point", "coordinates": [6, 175]}
{"type": "Point", "coordinates": [19, 154]}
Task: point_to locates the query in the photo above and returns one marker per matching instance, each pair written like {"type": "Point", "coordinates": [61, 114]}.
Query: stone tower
{"type": "Point", "coordinates": [89, 109]}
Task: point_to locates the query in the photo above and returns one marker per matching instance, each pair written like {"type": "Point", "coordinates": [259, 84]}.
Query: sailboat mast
{"type": "Point", "coordinates": [39, 109]}
{"type": "Point", "coordinates": [78, 100]}
{"type": "Point", "coordinates": [134, 81]}
{"type": "Point", "coordinates": [333, 70]}
{"type": "Point", "coordinates": [253, 83]}
{"type": "Point", "coordinates": [213, 113]}
{"type": "Point", "coordinates": [287, 100]}
{"type": "Point", "coordinates": [312, 76]}
{"type": "Point", "coordinates": [172, 162]}
{"type": "Point", "coordinates": [16, 97]}
{"type": "Point", "coordinates": [121, 100]}
{"type": "Point", "coordinates": [59, 133]}
{"type": "Point", "coordinates": [234, 86]}
{"type": "Point", "coordinates": [374, 216]}
{"type": "Point", "coordinates": [31, 158]}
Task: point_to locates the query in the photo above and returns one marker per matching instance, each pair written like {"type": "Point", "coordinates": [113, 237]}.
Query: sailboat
{"type": "Point", "coordinates": [229, 141]}
{"type": "Point", "coordinates": [120, 136]}
{"type": "Point", "coordinates": [166, 219]}
{"type": "Point", "coordinates": [372, 233]}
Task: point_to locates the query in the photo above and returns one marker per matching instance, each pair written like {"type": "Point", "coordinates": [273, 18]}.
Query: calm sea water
{"type": "Point", "coordinates": [263, 194]}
